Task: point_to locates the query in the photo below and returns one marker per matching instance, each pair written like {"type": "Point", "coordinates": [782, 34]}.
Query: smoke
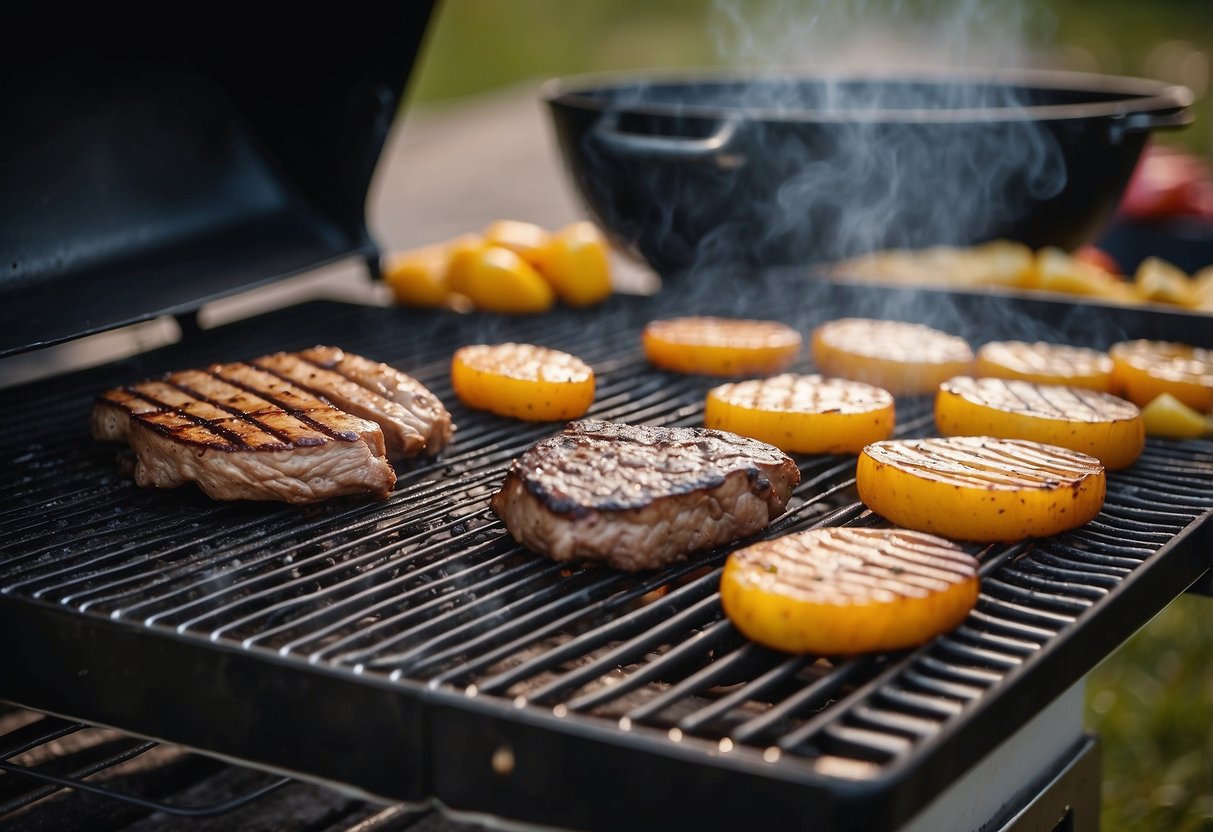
{"type": "Point", "coordinates": [862, 182]}
{"type": "Point", "coordinates": [840, 134]}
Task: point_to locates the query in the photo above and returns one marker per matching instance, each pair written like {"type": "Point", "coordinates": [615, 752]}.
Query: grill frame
{"type": "Point", "coordinates": [560, 763]}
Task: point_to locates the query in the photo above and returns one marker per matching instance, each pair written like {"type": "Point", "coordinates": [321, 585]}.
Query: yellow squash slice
{"type": "Point", "coordinates": [902, 358]}
{"type": "Point", "coordinates": [526, 239]}
{"type": "Point", "coordinates": [419, 277]}
{"type": "Point", "coordinates": [1046, 363]}
{"type": "Point", "coordinates": [1144, 370]}
{"type": "Point", "coordinates": [803, 414]}
{"type": "Point", "coordinates": [522, 381]}
{"type": "Point", "coordinates": [575, 261]}
{"type": "Point", "coordinates": [720, 346]}
{"type": "Point", "coordinates": [841, 591]}
{"type": "Point", "coordinates": [979, 487]}
{"type": "Point", "coordinates": [496, 279]}
{"type": "Point", "coordinates": [1105, 426]}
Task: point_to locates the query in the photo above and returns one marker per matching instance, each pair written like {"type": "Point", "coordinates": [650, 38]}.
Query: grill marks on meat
{"type": "Point", "coordinates": [641, 497]}
{"type": "Point", "coordinates": [269, 430]}
{"type": "Point", "coordinates": [416, 415]}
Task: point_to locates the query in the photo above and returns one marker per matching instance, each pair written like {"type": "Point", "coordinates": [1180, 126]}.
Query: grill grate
{"type": "Point", "coordinates": [423, 599]}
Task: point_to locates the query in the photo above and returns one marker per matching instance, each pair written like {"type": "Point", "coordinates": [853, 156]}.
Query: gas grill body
{"type": "Point", "coordinates": [409, 650]}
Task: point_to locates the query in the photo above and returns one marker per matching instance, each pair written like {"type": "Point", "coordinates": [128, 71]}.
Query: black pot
{"type": "Point", "coordinates": [711, 171]}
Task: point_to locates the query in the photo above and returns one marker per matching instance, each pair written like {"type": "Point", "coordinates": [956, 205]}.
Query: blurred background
{"type": "Point", "coordinates": [479, 45]}
{"type": "Point", "coordinates": [1152, 702]}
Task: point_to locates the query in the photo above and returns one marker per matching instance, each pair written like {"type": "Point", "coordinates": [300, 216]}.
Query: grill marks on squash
{"type": "Point", "coordinates": [840, 591]}
{"type": "Point", "coordinates": [981, 462]}
{"type": "Point", "coordinates": [1049, 401]}
{"type": "Point", "coordinates": [849, 567]}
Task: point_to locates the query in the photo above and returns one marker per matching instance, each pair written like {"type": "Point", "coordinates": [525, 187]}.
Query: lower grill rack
{"type": "Point", "coordinates": [411, 650]}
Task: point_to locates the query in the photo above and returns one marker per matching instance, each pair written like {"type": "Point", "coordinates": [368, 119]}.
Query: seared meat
{"type": "Point", "coordinates": [641, 497]}
{"type": "Point", "coordinates": [412, 418]}
{"type": "Point", "coordinates": [419, 411]}
{"type": "Point", "coordinates": [266, 430]}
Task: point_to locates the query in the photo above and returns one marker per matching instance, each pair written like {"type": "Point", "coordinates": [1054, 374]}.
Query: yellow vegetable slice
{"type": "Point", "coordinates": [1159, 281]}
{"type": "Point", "coordinates": [419, 277]}
{"type": "Point", "coordinates": [980, 487]}
{"type": "Point", "coordinates": [841, 591]}
{"type": "Point", "coordinates": [1100, 424]}
{"type": "Point", "coordinates": [1202, 288]}
{"type": "Point", "coordinates": [498, 280]}
{"type": "Point", "coordinates": [575, 261]}
{"type": "Point", "coordinates": [1057, 271]}
{"type": "Point", "coordinates": [1168, 417]}
{"type": "Point", "coordinates": [1143, 370]}
{"type": "Point", "coordinates": [1046, 363]}
{"type": "Point", "coordinates": [720, 346]}
{"type": "Point", "coordinates": [522, 381]}
{"type": "Point", "coordinates": [899, 357]}
{"type": "Point", "coordinates": [803, 413]}
{"type": "Point", "coordinates": [526, 239]}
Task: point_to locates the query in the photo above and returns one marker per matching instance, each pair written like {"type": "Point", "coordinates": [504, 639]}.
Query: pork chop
{"type": "Point", "coordinates": [639, 497]}
{"type": "Point", "coordinates": [269, 429]}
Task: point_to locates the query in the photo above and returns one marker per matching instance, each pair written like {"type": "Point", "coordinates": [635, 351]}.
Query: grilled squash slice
{"type": "Point", "coordinates": [980, 487]}
{"type": "Point", "coordinates": [522, 381]}
{"type": "Point", "coordinates": [841, 591]}
{"type": "Point", "coordinates": [803, 414]}
{"type": "Point", "coordinates": [720, 346]}
{"type": "Point", "coordinates": [575, 260]}
{"type": "Point", "coordinates": [1046, 363]}
{"type": "Point", "coordinates": [902, 358]}
{"type": "Point", "coordinates": [1105, 426]}
{"type": "Point", "coordinates": [1143, 370]}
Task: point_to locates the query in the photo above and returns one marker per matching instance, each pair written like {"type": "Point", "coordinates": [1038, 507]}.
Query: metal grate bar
{"type": "Point", "coordinates": [1037, 602]}
{"type": "Point", "coordinates": [56, 769]}
{"type": "Point", "coordinates": [756, 691]}
{"type": "Point", "coordinates": [976, 655]}
{"type": "Point", "coordinates": [673, 607]}
{"type": "Point", "coordinates": [716, 638]}
{"type": "Point", "coordinates": [811, 699]}
{"type": "Point", "coordinates": [678, 625]}
{"type": "Point", "coordinates": [979, 637]}
{"type": "Point", "coordinates": [743, 662]}
{"type": "Point", "coordinates": [605, 607]}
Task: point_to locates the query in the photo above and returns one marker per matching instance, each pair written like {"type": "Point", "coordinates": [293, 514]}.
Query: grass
{"type": "Point", "coordinates": [1151, 703]}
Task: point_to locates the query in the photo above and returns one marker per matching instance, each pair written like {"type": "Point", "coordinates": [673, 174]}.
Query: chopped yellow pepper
{"type": "Point", "coordinates": [576, 263]}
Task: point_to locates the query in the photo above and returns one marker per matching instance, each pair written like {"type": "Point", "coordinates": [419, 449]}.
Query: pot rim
{"type": "Point", "coordinates": [1136, 95]}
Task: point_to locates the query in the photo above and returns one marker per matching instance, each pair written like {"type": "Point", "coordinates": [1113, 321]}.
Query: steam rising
{"type": "Point", "coordinates": [794, 194]}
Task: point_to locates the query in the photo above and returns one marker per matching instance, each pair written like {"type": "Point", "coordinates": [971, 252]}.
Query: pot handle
{"type": "Point", "coordinates": [606, 130]}
{"type": "Point", "coordinates": [1138, 122]}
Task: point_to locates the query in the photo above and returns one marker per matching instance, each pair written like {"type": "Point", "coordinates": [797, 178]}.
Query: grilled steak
{"type": "Point", "coordinates": [412, 418]}
{"type": "Point", "coordinates": [269, 430]}
{"type": "Point", "coordinates": [641, 497]}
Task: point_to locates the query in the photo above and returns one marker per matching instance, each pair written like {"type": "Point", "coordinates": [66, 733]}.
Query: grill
{"type": "Point", "coordinates": [409, 650]}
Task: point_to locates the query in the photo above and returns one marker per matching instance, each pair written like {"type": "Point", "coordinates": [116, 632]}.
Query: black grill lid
{"type": "Point", "coordinates": [159, 155]}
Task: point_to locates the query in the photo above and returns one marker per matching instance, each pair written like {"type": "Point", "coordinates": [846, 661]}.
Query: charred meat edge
{"type": "Point", "coordinates": [260, 437]}
{"type": "Point", "coordinates": [708, 508]}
